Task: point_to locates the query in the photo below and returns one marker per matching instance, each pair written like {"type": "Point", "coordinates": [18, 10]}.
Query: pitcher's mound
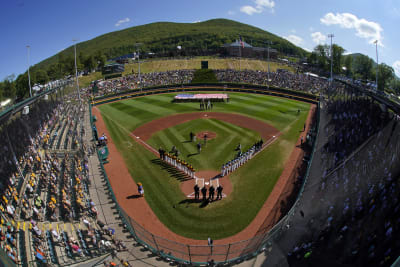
{"type": "Point", "coordinates": [210, 135]}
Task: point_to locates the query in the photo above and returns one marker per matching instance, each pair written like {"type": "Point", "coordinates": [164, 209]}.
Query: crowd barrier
{"type": "Point", "coordinates": [197, 254]}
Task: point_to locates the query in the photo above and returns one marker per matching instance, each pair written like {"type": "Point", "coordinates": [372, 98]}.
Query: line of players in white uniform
{"type": "Point", "coordinates": [240, 160]}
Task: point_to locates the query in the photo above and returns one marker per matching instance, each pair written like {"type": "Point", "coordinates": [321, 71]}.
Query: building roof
{"type": "Point", "coordinates": [237, 43]}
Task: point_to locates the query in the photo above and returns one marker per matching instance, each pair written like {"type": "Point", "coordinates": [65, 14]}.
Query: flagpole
{"type": "Point", "coordinates": [240, 56]}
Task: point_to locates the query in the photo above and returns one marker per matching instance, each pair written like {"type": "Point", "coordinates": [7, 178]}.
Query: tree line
{"type": "Point", "coordinates": [16, 88]}
{"type": "Point", "coordinates": [356, 66]}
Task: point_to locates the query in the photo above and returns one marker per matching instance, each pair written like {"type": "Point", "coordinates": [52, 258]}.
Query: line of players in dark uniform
{"type": "Point", "coordinates": [211, 192]}
{"type": "Point", "coordinates": [241, 158]}
{"type": "Point", "coordinates": [173, 160]}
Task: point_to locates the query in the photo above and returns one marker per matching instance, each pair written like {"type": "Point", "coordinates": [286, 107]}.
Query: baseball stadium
{"type": "Point", "coordinates": [201, 161]}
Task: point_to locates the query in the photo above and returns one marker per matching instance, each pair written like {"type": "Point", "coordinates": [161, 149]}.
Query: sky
{"type": "Point", "coordinates": [49, 26]}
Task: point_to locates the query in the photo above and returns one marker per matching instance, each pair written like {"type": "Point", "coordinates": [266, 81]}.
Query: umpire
{"type": "Point", "coordinates": [211, 191]}
{"type": "Point", "coordinates": [219, 192]}
{"type": "Point", "coordinates": [204, 193]}
{"type": "Point", "coordinates": [196, 192]}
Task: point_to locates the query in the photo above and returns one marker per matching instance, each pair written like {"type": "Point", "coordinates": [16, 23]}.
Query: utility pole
{"type": "Point", "coordinates": [268, 44]}
{"type": "Point", "coordinates": [331, 36]}
{"type": "Point", "coordinates": [140, 78]}
{"type": "Point", "coordinates": [76, 71]}
{"type": "Point", "coordinates": [29, 75]}
{"type": "Point", "coordinates": [377, 64]}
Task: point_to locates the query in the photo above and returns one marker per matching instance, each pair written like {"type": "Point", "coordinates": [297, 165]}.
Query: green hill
{"type": "Point", "coordinates": [162, 38]}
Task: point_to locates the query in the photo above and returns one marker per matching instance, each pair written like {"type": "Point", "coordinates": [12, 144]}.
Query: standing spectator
{"type": "Point", "coordinates": [140, 189]}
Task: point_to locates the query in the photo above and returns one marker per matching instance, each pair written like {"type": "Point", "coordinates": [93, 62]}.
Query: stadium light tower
{"type": "Point", "coordinates": [268, 44]}
{"type": "Point", "coordinates": [140, 78]}
{"type": "Point", "coordinates": [331, 36]}
{"type": "Point", "coordinates": [29, 75]}
{"type": "Point", "coordinates": [76, 70]}
{"type": "Point", "coordinates": [377, 64]}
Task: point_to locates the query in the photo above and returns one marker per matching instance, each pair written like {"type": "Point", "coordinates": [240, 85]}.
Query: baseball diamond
{"type": "Point", "coordinates": [256, 187]}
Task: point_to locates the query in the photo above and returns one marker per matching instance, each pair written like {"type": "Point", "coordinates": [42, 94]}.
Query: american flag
{"type": "Point", "coordinates": [240, 41]}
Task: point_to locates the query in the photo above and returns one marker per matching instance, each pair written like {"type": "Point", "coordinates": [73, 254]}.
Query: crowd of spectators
{"type": "Point", "coordinates": [281, 79]}
{"type": "Point", "coordinates": [355, 215]}
{"type": "Point", "coordinates": [353, 121]}
{"type": "Point", "coordinates": [39, 184]}
{"type": "Point", "coordinates": [133, 81]}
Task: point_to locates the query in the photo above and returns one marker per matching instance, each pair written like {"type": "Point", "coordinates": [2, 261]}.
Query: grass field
{"type": "Point", "coordinates": [157, 65]}
{"type": "Point", "coordinates": [252, 183]}
{"type": "Point", "coordinates": [216, 151]}
{"type": "Point", "coordinates": [195, 63]}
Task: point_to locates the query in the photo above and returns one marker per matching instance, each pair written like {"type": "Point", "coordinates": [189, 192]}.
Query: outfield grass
{"type": "Point", "coordinates": [216, 151]}
{"type": "Point", "coordinates": [157, 65]}
{"type": "Point", "coordinates": [252, 183]}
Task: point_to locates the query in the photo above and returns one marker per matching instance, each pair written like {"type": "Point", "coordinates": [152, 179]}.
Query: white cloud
{"type": "Point", "coordinates": [231, 12]}
{"type": "Point", "coordinates": [318, 37]}
{"type": "Point", "coordinates": [122, 21]}
{"type": "Point", "coordinates": [260, 6]}
{"type": "Point", "coordinates": [396, 67]}
{"type": "Point", "coordinates": [369, 30]}
{"type": "Point", "coordinates": [249, 10]}
{"type": "Point", "coordinates": [294, 39]}
{"type": "Point", "coordinates": [196, 21]}
{"type": "Point", "coordinates": [293, 31]}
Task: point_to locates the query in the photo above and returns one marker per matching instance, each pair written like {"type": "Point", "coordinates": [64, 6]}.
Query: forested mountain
{"type": "Point", "coordinates": [162, 38]}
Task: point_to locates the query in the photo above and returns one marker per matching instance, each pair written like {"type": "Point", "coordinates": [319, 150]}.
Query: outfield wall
{"type": "Point", "coordinates": [195, 254]}
{"type": "Point", "coordinates": [220, 87]}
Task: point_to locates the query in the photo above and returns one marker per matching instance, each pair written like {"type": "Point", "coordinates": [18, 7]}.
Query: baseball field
{"type": "Point", "coordinates": [249, 186]}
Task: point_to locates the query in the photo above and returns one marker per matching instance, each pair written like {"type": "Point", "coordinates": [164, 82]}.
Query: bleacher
{"type": "Point", "coordinates": [42, 184]}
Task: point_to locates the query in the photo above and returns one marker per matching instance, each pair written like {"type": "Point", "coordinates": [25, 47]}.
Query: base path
{"type": "Point", "coordinates": [137, 208]}
{"type": "Point", "coordinates": [146, 130]}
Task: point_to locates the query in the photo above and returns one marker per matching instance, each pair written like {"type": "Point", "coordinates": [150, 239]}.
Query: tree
{"type": "Point", "coordinates": [385, 75]}
{"type": "Point", "coordinates": [363, 67]}
{"type": "Point", "coordinates": [395, 85]}
{"type": "Point", "coordinates": [100, 59]}
{"type": "Point", "coordinates": [348, 63]}
{"type": "Point", "coordinates": [337, 54]}
{"type": "Point", "coordinates": [322, 52]}
{"type": "Point", "coordinates": [1, 91]}
{"type": "Point", "coordinates": [90, 63]}
{"type": "Point", "coordinates": [9, 87]}
{"type": "Point", "coordinates": [22, 85]}
{"type": "Point", "coordinates": [41, 77]}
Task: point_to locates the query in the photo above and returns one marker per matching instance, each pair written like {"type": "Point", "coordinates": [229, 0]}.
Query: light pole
{"type": "Point", "coordinates": [29, 75]}
{"type": "Point", "coordinates": [331, 36]}
{"type": "Point", "coordinates": [140, 78]}
{"type": "Point", "coordinates": [268, 44]}
{"type": "Point", "coordinates": [76, 71]}
{"type": "Point", "coordinates": [377, 64]}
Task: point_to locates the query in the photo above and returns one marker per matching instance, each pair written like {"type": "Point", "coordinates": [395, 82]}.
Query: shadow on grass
{"type": "Point", "coordinates": [188, 201]}
{"type": "Point", "coordinates": [193, 154]}
{"type": "Point", "coordinates": [171, 170]}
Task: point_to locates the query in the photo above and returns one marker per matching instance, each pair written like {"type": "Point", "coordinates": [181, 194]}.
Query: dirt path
{"type": "Point", "coordinates": [138, 209]}
{"type": "Point", "coordinates": [146, 130]}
